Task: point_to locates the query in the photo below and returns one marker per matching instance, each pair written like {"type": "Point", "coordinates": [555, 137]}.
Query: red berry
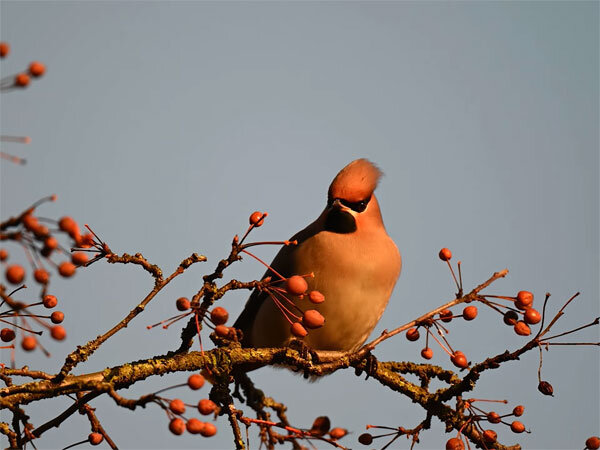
{"type": "Point", "coordinates": [41, 276]}
{"type": "Point", "coordinates": [517, 427]}
{"type": "Point", "coordinates": [4, 49]}
{"type": "Point", "coordinates": [320, 426]}
{"type": "Point", "coordinates": [490, 436]}
{"type": "Point", "coordinates": [177, 406]}
{"type": "Point", "coordinates": [257, 219]}
{"type": "Point", "coordinates": [15, 274]}
{"type": "Point", "coordinates": [412, 334]}
{"type": "Point", "coordinates": [206, 406]}
{"type": "Point", "coordinates": [66, 269]}
{"type": "Point", "coordinates": [7, 334]}
{"type": "Point", "coordinates": [470, 312]}
{"type": "Point", "coordinates": [30, 222]}
{"type": "Point", "coordinates": [219, 315]}
{"type": "Point", "coordinates": [95, 438]}
{"type": "Point", "coordinates": [532, 316]}
{"type": "Point", "coordinates": [338, 433]}
{"type": "Point", "coordinates": [177, 426]}
{"type": "Point", "coordinates": [522, 329]}
{"type": "Point", "coordinates": [41, 232]}
{"type": "Point", "coordinates": [493, 417]}
{"type": "Point", "coordinates": [50, 301]}
{"type": "Point", "coordinates": [427, 353]}
{"type": "Point", "coordinates": [316, 297]}
{"type": "Point", "coordinates": [546, 388]}
{"type": "Point", "coordinates": [57, 317]}
{"type": "Point", "coordinates": [298, 330]}
{"type": "Point", "coordinates": [21, 80]}
{"type": "Point", "coordinates": [195, 381]}
{"type": "Point", "coordinates": [593, 443]}
{"type": "Point", "coordinates": [182, 304]}
{"type": "Point", "coordinates": [37, 69]}
{"type": "Point", "coordinates": [525, 298]}
{"type": "Point", "coordinates": [511, 317]}
{"type": "Point", "coordinates": [51, 243]}
{"type": "Point", "coordinates": [68, 225]}
{"type": "Point", "coordinates": [365, 439]}
{"type": "Point", "coordinates": [3, 254]}
{"type": "Point", "coordinates": [459, 360]}
{"type": "Point", "coordinates": [296, 285]}
{"type": "Point", "coordinates": [29, 343]}
{"type": "Point", "coordinates": [194, 426]}
{"type": "Point", "coordinates": [446, 315]}
{"type": "Point", "coordinates": [223, 331]}
{"type": "Point", "coordinates": [455, 444]}
{"type": "Point", "coordinates": [79, 258]}
{"type": "Point", "coordinates": [312, 319]}
{"type": "Point", "coordinates": [519, 410]}
{"type": "Point", "coordinates": [445, 254]}
{"type": "Point", "coordinates": [208, 430]}
{"type": "Point", "coordinates": [58, 332]}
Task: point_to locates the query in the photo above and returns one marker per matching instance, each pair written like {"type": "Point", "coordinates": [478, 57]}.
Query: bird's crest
{"type": "Point", "coordinates": [356, 181]}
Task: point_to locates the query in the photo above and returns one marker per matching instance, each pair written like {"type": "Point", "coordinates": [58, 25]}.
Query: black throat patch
{"type": "Point", "coordinates": [338, 221]}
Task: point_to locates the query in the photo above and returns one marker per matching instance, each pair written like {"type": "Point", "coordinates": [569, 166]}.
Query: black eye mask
{"type": "Point", "coordinates": [358, 207]}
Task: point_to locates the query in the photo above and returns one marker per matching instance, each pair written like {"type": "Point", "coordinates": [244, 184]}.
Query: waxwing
{"type": "Point", "coordinates": [355, 265]}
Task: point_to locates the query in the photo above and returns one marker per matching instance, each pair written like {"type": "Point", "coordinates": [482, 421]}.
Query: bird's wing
{"type": "Point", "coordinates": [284, 263]}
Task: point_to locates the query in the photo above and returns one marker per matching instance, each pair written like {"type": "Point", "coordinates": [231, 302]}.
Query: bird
{"type": "Point", "coordinates": [355, 266]}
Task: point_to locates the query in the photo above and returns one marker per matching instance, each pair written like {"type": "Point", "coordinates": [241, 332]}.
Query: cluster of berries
{"type": "Point", "coordinates": [38, 237]}
{"type": "Point", "coordinates": [519, 314]}
{"type": "Point", "coordinates": [176, 408]}
{"type": "Point", "coordinates": [41, 243]}
{"type": "Point", "coordinates": [523, 305]}
{"type": "Point", "coordinates": [457, 357]}
{"type": "Point", "coordinates": [295, 287]}
{"type": "Point", "coordinates": [20, 315]}
{"type": "Point", "coordinates": [215, 320]}
{"type": "Point", "coordinates": [477, 415]}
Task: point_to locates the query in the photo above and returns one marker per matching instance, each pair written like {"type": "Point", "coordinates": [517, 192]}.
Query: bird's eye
{"type": "Point", "coordinates": [359, 206]}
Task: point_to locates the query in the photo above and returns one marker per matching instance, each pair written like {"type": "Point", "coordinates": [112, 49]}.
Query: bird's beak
{"type": "Point", "coordinates": [337, 205]}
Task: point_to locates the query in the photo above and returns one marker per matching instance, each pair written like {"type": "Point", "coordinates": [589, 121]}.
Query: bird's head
{"type": "Point", "coordinates": [351, 202]}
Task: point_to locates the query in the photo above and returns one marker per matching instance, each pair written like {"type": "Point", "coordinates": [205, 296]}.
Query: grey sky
{"type": "Point", "coordinates": [165, 124]}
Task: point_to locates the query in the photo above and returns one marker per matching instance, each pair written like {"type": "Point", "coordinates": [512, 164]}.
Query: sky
{"type": "Point", "coordinates": [163, 125]}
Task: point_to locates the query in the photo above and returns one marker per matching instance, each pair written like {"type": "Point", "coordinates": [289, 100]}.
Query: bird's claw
{"type": "Point", "coordinates": [304, 350]}
{"type": "Point", "coordinates": [370, 366]}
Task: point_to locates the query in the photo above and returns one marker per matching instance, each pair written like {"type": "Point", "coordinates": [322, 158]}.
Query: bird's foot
{"type": "Point", "coordinates": [304, 350]}
{"type": "Point", "coordinates": [369, 367]}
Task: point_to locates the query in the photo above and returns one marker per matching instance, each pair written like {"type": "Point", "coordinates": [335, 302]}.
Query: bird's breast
{"type": "Point", "coordinates": [356, 274]}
